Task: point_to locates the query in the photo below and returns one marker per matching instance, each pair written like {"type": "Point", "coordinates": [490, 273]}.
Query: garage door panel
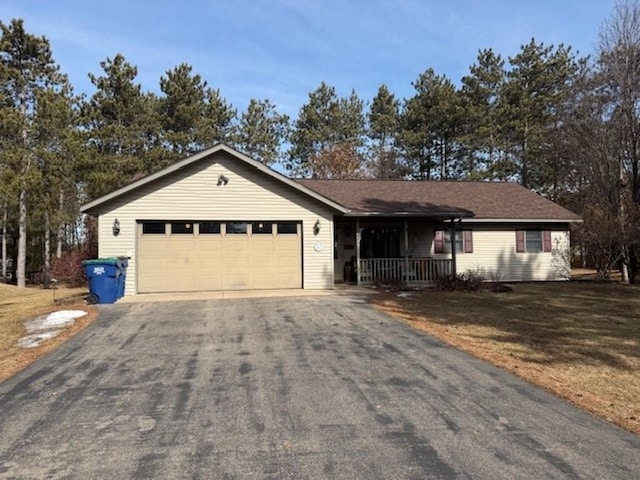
{"type": "Point", "coordinates": [192, 262]}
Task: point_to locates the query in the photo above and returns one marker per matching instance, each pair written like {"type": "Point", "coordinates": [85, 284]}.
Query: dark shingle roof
{"type": "Point", "coordinates": [482, 200]}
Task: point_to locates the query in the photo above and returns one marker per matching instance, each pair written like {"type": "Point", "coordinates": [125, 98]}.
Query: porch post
{"type": "Point", "coordinates": [357, 265]}
{"type": "Point", "coordinates": [406, 251]}
{"type": "Point", "coordinates": [453, 247]}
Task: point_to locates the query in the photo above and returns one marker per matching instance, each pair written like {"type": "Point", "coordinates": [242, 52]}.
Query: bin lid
{"type": "Point", "coordinates": [102, 261]}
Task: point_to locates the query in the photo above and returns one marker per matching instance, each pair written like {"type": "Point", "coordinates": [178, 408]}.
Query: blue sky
{"type": "Point", "coordinates": [283, 49]}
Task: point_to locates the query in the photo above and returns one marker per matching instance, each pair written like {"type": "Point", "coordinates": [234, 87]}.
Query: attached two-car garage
{"type": "Point", "coordinates": [182, 256]}
{"type": "Point", "coordinates": [216, 221]}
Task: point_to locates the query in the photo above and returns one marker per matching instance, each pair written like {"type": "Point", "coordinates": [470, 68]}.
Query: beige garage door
{"type": "Point", "coordinates": [202, 255]}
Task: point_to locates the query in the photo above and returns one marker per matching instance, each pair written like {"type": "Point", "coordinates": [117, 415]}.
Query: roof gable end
{"type": "Point", "coordinates": [95, 205]}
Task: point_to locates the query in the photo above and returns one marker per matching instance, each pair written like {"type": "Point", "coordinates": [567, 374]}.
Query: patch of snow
{"type": "Point", "coordinates": [406, 294]}
{"type": "Point", "coordinates": [61, 319]}
{"type": "Point", "coordinates": [48, 326]}
{"type": "Point", "coordinates": [32, 341]}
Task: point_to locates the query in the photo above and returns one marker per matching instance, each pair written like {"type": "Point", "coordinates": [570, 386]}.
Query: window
{"type": "Point", "coordinates": [533, 241]}
{"type": "Point", "coordinates": [463, 241]}
{"type": "Point", "coordinates": [236, 228]}
{"type": "Point", "coordinates": [153, 228]}
{"type": "Point", "coordinates": [287, 228]}
{"type": "Point", "coordinates": [209, 227]}
{"type": "Point", "coordinates": [261, 227]}
{"type": "Point", "coordinates": [447, 242]}
{"type": "Point", "coordinates": [181, 228]}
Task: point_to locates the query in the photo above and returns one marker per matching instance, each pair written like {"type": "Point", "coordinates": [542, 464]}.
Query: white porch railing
{"type": "Point", "coordinates": [411, 270]}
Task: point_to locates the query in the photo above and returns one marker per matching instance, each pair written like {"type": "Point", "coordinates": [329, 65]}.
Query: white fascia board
{"type": "Point", "coordinates": [522, 220]}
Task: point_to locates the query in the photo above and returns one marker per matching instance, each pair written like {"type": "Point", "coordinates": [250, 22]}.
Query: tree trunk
{"type": "Point", "coordinates": [22, 207]}
{"type": "Point", "coordinates": [22, 238]}
{"type": "Point", "coordinates": [4, 243]}
{"type": "Point", "coordinates": [524, 173]}
{"type": "Point", "coordinates": [60, 226]}
{"type": "Point", "coordinates": [46, 273]}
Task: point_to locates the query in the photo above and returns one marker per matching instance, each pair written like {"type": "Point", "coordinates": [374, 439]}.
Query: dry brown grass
{"type": "Point", "coordinates": [579, 340]}
{"type": "Point", "coordinates": [20, 304]}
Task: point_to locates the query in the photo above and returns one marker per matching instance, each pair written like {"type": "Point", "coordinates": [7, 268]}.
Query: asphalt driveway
{"type": "Point", "coordinates": [306, 387]}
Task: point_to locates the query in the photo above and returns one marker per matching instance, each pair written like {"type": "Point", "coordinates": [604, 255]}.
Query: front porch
{"type": "Point", "coordinates": [367, 251]}
{"type": "Point", "coordinates": [411, 271]}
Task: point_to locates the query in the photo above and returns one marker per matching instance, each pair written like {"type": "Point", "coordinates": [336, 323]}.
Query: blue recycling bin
{"type": "Point", "coordinates": [122, 279]}
{"type": "Point", "coordinates": [103, 275]}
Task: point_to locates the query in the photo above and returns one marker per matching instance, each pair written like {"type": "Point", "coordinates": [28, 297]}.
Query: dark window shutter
{"type": "Point", "coordinates": [438, 242]}
{"type": "Point", "coordinates": [468, 241]}
{"type": "Point", "coordinates": [519, 241]}
{"type": "Point", "coordinates": [546, 240]}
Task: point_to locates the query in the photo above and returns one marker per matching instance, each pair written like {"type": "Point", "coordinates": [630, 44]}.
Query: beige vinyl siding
{"type": "Point", "coordinates": [193, 194]}
{"type": "Point", "coordinates": [494, 254]}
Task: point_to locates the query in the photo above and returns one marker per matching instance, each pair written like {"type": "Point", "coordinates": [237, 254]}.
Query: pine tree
{"type": "Point", "coordinates": [538, 79]}
{"type": "Point", "coordinates": [262, 131]}
{"type": "Point", "coordinates": [115, 122]}
{"type": "Point", "coordinates": [59, 146]}
{"type": "Point", "coordinates": [383, 125]}
{"type": "Point", "coordinates": [27, 67]}
{"type": "Point", "coordinates": [482, 135]}
{"type": "Point", "coordinates": [182, 110]}
{"type": "Point", "coordinates": [219, 119]}
{"type": "Point", "coordinates": [431, 123]}
{"type": "Point", "coordinates": [323, 123]}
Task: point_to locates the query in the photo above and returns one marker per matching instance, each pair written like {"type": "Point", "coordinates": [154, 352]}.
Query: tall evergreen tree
{"type": "Point", "coordinates": [383, 125]}
{"type": "Point", "coordinates": [59, 146]}
{"type": "Point", "coordinates": [115, 116]}
{"type": "Point", "coordinates": [26, 67]}
{"type": "Point", "coordinates": [538, 79]}
{"type": "Point", "coordinates": [482, 137]}
{"type": "Point", "coordinates": [323, 123]}
{"type": "Point", "coordinates": [182, 110]}
{"type": "Point", "coordinates": [262, 131]}
{"type": "Point", "coordinates": [431, 123]}
{"type": "Point", "coordinates": [219, 119]}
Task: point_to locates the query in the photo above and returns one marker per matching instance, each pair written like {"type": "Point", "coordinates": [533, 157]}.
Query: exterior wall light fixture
{"type": "Point", "coordinates": [116, 228]}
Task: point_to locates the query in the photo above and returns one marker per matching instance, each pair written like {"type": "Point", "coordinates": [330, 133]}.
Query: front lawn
{"type": "Point", "coordinates": [20, 304]}
{"type": "Point", "coordinates": [579, 340]}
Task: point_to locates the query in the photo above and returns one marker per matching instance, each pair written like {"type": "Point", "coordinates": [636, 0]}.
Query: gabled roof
{"type": "Point", "coordinates": [474, 201]}
{"type": "Point", "coordinates": [94, 205]}
{"type": "Point", "coordinates": [480, 200]}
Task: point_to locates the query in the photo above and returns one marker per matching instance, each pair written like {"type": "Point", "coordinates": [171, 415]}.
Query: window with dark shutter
{"type": "Point", "coordinates": [533, 241]}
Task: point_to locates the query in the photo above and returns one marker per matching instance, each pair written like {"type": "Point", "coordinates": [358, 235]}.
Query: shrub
{"type": "Point", "coordinates": [68, 269]}
{"type": "Point", "coordinates": [469, 281]}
